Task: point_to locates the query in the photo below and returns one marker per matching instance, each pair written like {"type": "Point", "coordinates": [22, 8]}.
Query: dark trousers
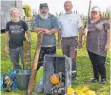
{"type": "Point", "coordinates": [43, 51]}
{"type": "Point", "coordinates": [98, 63]}
{"type": "Point", "coordinates": [69, 44]}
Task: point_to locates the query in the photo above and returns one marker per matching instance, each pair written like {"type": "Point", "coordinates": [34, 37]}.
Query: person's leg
{"type": "Point", "coordinates": [93, 58]}
{"type": "Point", "coordinates": [41, 56]}
{"type": "Point", "coordinates": [20, 51]}
{"type": "Point", "coordinates": [101, 68]}
{"type": "Point", "coordinates": [51, 50]}
{"type": "Point", "coordinates": [65, 47]}
{"type": "Point", "coordinates": [14, 55]}
{"type": "Point", "coordinates": [73, 54]}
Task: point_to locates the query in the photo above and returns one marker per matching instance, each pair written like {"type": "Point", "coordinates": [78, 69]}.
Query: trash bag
{"type": "Point", "coordinates": [1, 83]}
{"type": "Point", "coordinates": [12, 73]}
{"type": "Point", "coordinates": [8, 81]}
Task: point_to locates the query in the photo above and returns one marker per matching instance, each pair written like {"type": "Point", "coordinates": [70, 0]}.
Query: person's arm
{"type": "Point", "coordinates": [6, 38]}
{"type": "Point", "coordinates": [50, 32]}
{"type": "Point", "coordinates": [80, 30]}
{"type": "Point", "coordinates": [55, 26]}
{"type": "Point", "coordinates": [53, 31]}
{"type": "Point", "coordinates": [108, 36]}
{"type": "Point", "coordinates": [108, 40]}
{"type": "Point", "coordinates": [6, 43]}
{"type": "Point", "coordinates": [36, 27]}
{"type": "Point", "coordinates": [27, 31]}
{"type": "Point", "coordinates": [59, 39]}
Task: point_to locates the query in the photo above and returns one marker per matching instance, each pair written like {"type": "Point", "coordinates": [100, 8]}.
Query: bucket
{"type": "Point", "coordinates": [22, 77]}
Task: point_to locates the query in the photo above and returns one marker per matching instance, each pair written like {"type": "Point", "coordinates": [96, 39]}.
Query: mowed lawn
{"type": "Point", "coordinates": [84, 69]}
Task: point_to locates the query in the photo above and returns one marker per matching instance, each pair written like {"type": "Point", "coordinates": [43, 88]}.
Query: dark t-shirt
{"type": "Point", "coordinates": [16, 33]}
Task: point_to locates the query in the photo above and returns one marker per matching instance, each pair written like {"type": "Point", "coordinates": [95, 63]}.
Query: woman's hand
{"type": "Point", "coordinates": [106, 47]}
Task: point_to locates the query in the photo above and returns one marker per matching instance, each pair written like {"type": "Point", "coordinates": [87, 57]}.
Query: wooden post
{"type": "Point", "coordinates": [35, 64]}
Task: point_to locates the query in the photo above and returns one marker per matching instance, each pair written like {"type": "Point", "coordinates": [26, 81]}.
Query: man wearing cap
{"type": "Point", "coordinates": [47, 23]}
{"type": "Point", "coordinates": [98, 39]}
{"type": "Point", "coordinates": [70, 24]}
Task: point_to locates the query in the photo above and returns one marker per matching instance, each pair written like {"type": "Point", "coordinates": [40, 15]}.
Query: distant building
{"type": "Point", "coordinates": [5, 9]}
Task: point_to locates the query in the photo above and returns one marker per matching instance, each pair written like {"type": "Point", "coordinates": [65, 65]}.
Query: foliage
{"type": "Point", "coordinates": [84, 69]}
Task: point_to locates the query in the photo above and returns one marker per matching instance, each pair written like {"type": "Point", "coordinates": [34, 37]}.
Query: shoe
{"type": "Point", "coordinates": [94, 80]}
{"type": "Point", "coordinates": [74, 80]}
{"type": "Point", "coordinates": [103, 81]}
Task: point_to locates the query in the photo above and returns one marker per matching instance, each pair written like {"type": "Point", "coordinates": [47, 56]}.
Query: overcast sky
{"type": "Point", "coordinates": [57, 5]}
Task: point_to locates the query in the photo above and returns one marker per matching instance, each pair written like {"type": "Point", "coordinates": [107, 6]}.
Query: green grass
{"type": "Point", "coordinates": [84, 69]}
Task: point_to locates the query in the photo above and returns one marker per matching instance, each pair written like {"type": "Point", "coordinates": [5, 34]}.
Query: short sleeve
{"type": "Point", "coordinates": [107, 26]}
{"type": "Point", "coordinates": [79, 22]}
{"type": "Point", "coordinates": [7, 27]}
{"type": "Point", "coordinates": [55, 23]}
{"type": "Point", "coordinates": [25, 26]}
{"type": "Point", "coordinates": [36, 22]}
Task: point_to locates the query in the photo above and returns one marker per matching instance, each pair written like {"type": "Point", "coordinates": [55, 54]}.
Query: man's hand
{"type": "Point", "coordinates": [6, 50]}
{"type": "Point", "coordinates": [106, 47]}
{"type": "Point", "coordinates": [79, 44]}
{"type": "Point", "coordinates": [46, 31]}
{"type": "Point", "coordinates": [37, 29]}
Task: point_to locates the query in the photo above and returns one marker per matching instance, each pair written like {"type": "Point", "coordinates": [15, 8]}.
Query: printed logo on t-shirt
{"type": "Point", "coordinates": [72, 21]}
{"type": "Point", "coordinates": [16, 29]}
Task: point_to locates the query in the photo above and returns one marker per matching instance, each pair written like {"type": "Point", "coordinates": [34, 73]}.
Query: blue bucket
{"type": "Point", "coordinates": [22, 77]}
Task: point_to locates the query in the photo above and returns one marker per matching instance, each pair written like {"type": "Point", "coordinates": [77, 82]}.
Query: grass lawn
{"type": "Point", "coordinates": [84, 69]}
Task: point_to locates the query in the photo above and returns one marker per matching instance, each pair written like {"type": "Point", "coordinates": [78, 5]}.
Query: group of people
{"type": "Point", "coordinates": [70, 31]}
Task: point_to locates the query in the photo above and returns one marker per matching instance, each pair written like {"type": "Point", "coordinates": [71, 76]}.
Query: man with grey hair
{"type": "Point", "coordinates": [15, 32]}
{"type": "Point", "coordinates": [70, 24]}
{"type": "Point", "coordinates": [47, 23]}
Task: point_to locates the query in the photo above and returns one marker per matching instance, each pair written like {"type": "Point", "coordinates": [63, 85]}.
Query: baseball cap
{"type": "Point", "coordinates": [95, 8]}
{"type": "Point", "coordinates": [43, 5]}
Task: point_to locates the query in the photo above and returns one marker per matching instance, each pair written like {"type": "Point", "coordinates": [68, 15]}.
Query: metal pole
{"type": "Point", "coordinates": [15, 3]}
{"type": "Point", "coordinates": [87, 20]}
{"type": "Point", "coordinates": [89, 8]}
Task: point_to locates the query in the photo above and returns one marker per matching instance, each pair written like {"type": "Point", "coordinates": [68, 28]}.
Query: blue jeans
{"type": "Point", "coordinates": [15, 54]}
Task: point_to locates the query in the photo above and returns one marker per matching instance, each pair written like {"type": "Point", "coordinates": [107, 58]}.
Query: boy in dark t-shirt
{"type": "Point", "coordinates": [15, 31]}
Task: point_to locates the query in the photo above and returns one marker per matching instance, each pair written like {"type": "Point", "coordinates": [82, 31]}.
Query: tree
{"type": "Point", "coordinates": [108, 13]}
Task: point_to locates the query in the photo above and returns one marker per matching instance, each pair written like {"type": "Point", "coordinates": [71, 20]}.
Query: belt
{"type": "Point", "coordinates": [69, 37]}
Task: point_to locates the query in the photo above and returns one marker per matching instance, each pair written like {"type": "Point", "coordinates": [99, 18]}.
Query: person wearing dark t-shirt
{"type": "Point", "coordinates": [15, 32]}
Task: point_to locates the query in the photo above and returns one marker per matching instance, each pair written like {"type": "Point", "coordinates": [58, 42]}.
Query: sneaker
{"type": "Point", "coordinates": [74, 80]}
{"type": "Point", "coordinates": [103, 81]}
{"type": "Point", "coordinates": [94, 80]}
